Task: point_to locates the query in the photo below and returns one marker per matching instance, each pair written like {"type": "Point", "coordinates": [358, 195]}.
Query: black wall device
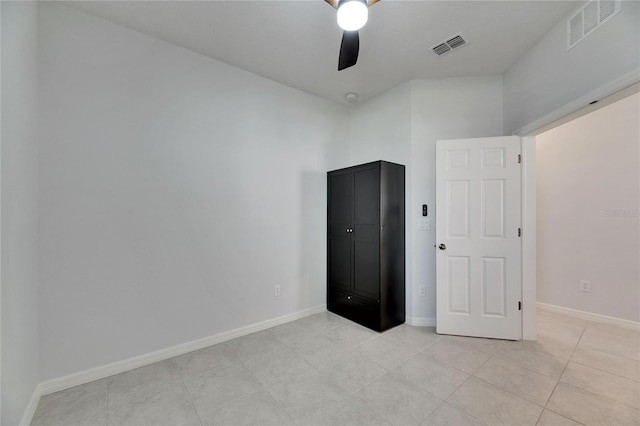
{"type": "Point", "coordinates": [424, 210]}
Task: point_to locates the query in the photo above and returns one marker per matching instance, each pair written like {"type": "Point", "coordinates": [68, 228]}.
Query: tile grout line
{"type": "Point", "coordinates": [108, 392]}
{"type": "Point", "coordinates": [564, 369]}
{"type": "Point", "coordinates": [193, 405]}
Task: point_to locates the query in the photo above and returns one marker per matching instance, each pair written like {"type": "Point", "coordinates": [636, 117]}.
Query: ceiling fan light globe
{"type": "Point", "coordinates": [352, 14]}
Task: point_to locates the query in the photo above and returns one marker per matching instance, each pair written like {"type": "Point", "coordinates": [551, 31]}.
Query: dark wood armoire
{"type": "Point", "coordinates": [366, 244]}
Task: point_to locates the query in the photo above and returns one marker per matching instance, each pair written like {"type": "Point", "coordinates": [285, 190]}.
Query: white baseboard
{"type": "Point", "coordinates": [420, 322]}
{"type": "Point", "coordinates": [101, 372]}
{"type": "Point", "coordinates": [27, 417]}
{"type": "Point", "coordinates": [589, 316]}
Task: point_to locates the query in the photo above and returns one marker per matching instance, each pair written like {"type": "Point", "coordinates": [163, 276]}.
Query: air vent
{"type": "Point", "coordinates": [589, 17]}
{"type": "Point", "coordinates": [447, 46]}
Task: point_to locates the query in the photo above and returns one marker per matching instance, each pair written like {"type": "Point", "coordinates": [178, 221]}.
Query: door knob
{"type": "Point", "coordinates": [442, 247]}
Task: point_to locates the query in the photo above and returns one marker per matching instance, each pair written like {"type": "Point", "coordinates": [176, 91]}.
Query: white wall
{"type": "Point", "coordinates": [588, 202]}
{"type": "Point", "coordinates": [549, 77]}
{"type": "Point", "coordinates": [447, 108]}
{"type": "Point", "coordinates": [402, 126]}
{"type": "Point", "coordinates": [19, 209]}
{"type": "Point", "coordinates": [380, 129]}
{"type": "Point", "coordinates": [176, 191]}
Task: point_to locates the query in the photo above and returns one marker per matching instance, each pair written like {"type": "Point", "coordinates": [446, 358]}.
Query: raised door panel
{"type": "Point", "coordinates": [340, 261]}
{"type": "Point", "coordinates": [340, 203]}
{"type": "Point", "coordinates": [366, 234]}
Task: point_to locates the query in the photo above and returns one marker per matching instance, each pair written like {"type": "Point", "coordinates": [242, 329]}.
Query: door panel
{"type": "Point", "coordinates": [493, 193]}
{"type": "Point", "coordinates": [478, 216]}
{"type": "Point", "coordinates": [340, 188]}
{"type": "Point", "coordinates": [458, 211]}
{"type": "Point", "coordinates": [340, 261]}
{"type": "Point", "coordinates": [366, 276]}
{"type": "Point", "coordinates": [459, 284]}
{"type": "Point", "coordinates": [366, 184]}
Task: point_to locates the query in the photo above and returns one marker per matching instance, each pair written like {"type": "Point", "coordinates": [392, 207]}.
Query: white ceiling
{"type": "Point", "coordinates": [297, 42]}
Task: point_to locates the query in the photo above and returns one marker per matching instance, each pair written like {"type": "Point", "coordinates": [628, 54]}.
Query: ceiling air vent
{"type": "Point", "coordinates": [447, 46]}
{"type": "Point", "coordinates": [589, 17]}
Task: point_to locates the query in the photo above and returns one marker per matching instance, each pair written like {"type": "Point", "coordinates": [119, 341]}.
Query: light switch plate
{"type": "Point", "coordinates": [424, 224]}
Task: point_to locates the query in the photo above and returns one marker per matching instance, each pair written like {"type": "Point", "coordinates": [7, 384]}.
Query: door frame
{"type": "Point", "coordinates": [604, 95]}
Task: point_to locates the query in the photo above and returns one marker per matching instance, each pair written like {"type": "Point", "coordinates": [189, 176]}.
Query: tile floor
{"type": "Point", "coordinates": [325, 370]}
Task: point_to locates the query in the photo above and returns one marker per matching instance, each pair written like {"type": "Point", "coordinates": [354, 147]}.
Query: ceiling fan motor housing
{"type": "Point", "coordinates": [352, 14]}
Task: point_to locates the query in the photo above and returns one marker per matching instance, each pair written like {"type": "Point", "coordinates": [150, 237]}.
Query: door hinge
{"type": "Point", "coordinates": [519, 306]}
{"type": "Point", "coordinates": [519, 158]}
{"type": "Point", "coordinates": [519, 232]}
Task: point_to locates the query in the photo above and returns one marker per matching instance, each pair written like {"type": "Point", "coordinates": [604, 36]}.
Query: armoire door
{"type": "Point", "coordinates": [366, 232]}
{"type": "Point", "coordinates": [339, 241]}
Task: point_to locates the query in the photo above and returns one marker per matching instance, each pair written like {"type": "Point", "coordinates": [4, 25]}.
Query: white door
{"type": "Point", "coordinates": [478, 244]}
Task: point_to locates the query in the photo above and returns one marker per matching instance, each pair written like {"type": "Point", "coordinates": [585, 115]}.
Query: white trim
{"type": "Point", "coordinates": [30, 410]}
{"type": "Point", "coordinates": [529, 238]}
{"type": "Point", "coordinates": [608, 89]}
{"type": "Point", "coordinates": [420, 322]}
{"type": "Point", "coordinates": [589, 316]}
{"type": "Point", "coordinates": [101, 372]}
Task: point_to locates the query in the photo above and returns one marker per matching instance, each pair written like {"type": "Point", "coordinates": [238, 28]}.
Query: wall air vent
{"type": "Point", "coordinates": [589, 17]}
{"type": "Point", "coordinates": [448, 45]}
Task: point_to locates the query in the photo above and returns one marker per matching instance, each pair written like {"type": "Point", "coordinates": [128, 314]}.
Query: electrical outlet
{"type": "Point", "coordinates": [585, 286]}
{"type": "Point", "coordinates": [276, 290]}
{"type": "Point", "coordinates": [423, 291]}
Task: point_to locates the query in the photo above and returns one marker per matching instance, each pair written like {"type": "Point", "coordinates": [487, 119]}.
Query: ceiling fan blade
{"type": "Point", "coordinates": [348, 50]}
{"type": "Point", "coordinates": [333, 3]}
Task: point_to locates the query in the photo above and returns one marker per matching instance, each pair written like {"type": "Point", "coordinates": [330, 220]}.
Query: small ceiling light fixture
{"type": "Point", "coordinates": [352, 14]}
{"type": "Point", "coordinates": [352, 98]}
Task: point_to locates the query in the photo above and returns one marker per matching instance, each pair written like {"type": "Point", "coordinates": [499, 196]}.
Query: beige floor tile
{"type": "Point", "coordinates": [590, 409]}
{"type": "Point", "coordinates": [607, 385]}
{"type": "Point", "coordinates": [159, 372]}
{"type": "Point", "coordinates": [276, 366]}
{"type": "Point", "coordinates": [302, 339]}
{"type": "Point", "coordinates": [307, 393]}
{"type": "Point", "coordinates": [518, 380]}
{"type": "Point", "coordinates": [489, 346]}
{"type": "Point", "coordinates": [152, 403]}
{"type": "Point", "coordinates": [457, 355]}
{"type": "Point", "coordinates": [202, 361]}
{"type": "Point", "coordinates": [397, 400]}
{"type": "Point", "coordinates": [350, 336]}
{"type": "Point", "coordinates": [385, 352]}
{"type": "Point", "coordinates": [258, 408]}
{"type": "Point", "coordinates": [80, 405]}
{"type": "Point", "coordinates": [416, 338]}
{"type": "Point", "coordinates": [347, 368]}
{"type": "Point", "coordinates": [561, 319]}
{"type": "Point", "coordinates": [570, 335]}
{"type": "Point", "coordinates": [220, 387]}
{"type": "Point", "coordinates": [361, 377]}
{"type": "Point", "coordinates": [262, 342]}
{"type": "Point", "coordinates": [549, 418]}
{"type": "Point", "coordinates": [611, 343]}
{"type": "Point", "coordinates": [630, 335]}
{"type": "Point", "coordinates": [540, 362]}
{"type": "Point", "coordinates": [324, 321]}
{"type": "Point", "coordinates": [351, 411]}
{"type": "Point", "coordinates": [431, 375]}
{"type": "Point", "coordinates": [544, 344]}
{"type": "Point", "coordinates": [623, 367]}
{"type": "Point", "coordinates": [493, 405]}
{"type": "Point", "coordinates": [447, 415]}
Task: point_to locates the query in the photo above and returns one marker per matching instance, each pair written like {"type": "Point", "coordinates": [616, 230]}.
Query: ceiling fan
{"type": "Point", "coordinates": [352, 15]}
